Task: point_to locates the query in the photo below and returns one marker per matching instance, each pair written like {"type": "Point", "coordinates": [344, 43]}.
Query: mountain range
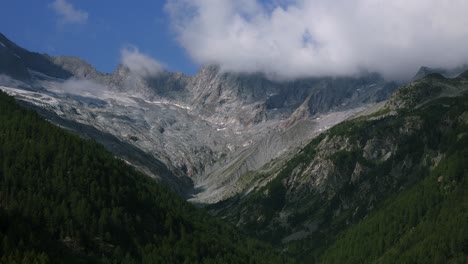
{"type": "Point", "coordinates": [307, 165]}
{"type": "Point", "coordinates": [196, 133]}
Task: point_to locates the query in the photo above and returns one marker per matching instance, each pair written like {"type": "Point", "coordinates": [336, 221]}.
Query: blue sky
{"type": "Point", "coordinates": [110, 26]}
{"type": "Point", "coordinates": [286, 38]}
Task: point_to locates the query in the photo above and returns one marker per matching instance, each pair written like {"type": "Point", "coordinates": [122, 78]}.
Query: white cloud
{"type": "Point", "coordinates": [138, 63]}
{"type": "Point", "coordinates": [298, 38]}
{"type": "Point", "coordinates": [83, 88]}
{"type": "Point", "coordinates": [68, 14]}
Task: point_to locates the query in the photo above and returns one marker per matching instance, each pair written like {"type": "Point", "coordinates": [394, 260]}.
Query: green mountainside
{"type": "Point", "coordinates": [428, 223]}
{"type": "Point", "coordinates": [389, 187]}
{"type": "Point", "coordinates": [67, 200]}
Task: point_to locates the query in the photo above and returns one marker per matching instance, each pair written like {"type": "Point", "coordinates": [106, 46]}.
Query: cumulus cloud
{"type": "Point", "coordinates": [138, 63]}
{"type": "Point", "coordinates": [299, 38]}
{"type": "Point", "coordinates": [68, 14]}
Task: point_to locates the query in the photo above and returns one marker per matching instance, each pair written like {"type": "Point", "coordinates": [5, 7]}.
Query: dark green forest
{"type": "Point", "coordinates": [424, 217]}
{"type": "Point", "coordinates": [68, 200]}
{"type": "Point", "coordinates": [428, 221]}
{"type": "Point", "coordinates": [415, 210]}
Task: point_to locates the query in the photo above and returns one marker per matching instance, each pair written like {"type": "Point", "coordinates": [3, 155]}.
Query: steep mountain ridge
{"type": "Point", "coordinates": [197, 126]}
{"type": "Point", "coordinates": [303, 201]}
{"type": "Point", "coordinates": [216, 94]}
{"type": "Point", "coordinates": [17, 62]}
{"type": "Point", "coordinates": [448, 73]}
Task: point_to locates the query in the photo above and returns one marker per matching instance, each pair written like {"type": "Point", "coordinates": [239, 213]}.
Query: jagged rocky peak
{"type": "Point", "coordinates": [229, 97]}
{"type": "Point", "coordinates": [431, 86]}
{"type": "Point", "coordinates": [208, 71]}
{"type": "Point", "coordinates": [121, 70]}
{"type": "Point", "coordinates": [17, 62]}
{"type": "Point", "coordinates": [120, 74]}
{"type": "Point", "coordinates": [170, 85]}
{"type": "Point", "coordinates": [222, 95]}
{"type": "Point", "coordinates": [424, 71]}
{"type": "Point", "coordinates": [211, 85]}
{"type": "Point", "coordinates": [78, 67]}
{"type": "Point", "coordinates": [446, 72]}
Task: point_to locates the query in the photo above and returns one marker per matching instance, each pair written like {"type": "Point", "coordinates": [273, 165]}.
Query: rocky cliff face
{"type": "Point", "coordinates": [343, 174]}
{"type": "Point", "coordinates": [208, 129]}
{"type": "Point", "coordinates": [219, 95]}
{"type": "Point", "coordinates": [18, 63]}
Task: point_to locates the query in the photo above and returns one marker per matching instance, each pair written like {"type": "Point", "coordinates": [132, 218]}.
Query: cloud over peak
{"type": "Point", "coordinates": [301, 38]}
{"type": "Point", "coordinates": [138, 63]}
{"type": "Point", "coordinates": [67, 13]}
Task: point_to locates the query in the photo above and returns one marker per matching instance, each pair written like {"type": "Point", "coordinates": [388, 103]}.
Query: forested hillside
{"type": "Point", "coordinates": [67, 200]}
{"type": "Point", "coordinates": [427, 222]}
{"type": "Point", "coordinates": [390, 187]}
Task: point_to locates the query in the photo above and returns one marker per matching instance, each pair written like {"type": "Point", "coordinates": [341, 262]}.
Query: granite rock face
{"type": "Point", "coordinates": [340, 176]}
{"type": "Point", "coordinates": [205, 130]}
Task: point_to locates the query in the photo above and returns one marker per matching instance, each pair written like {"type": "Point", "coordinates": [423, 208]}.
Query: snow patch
{"type": "Point", "coordinates": [246, 144]}
{"type": "Point", "coordinates": [230, 147]}
{"type": "Point", "coordinates": [165, 102]}
{"type": "Point", "coordinates": [1, 43]}
{"type": "Point", "coordinates": [38, 99]}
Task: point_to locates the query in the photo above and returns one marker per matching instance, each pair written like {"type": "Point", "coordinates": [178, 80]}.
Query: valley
{"type": "Point", "coordinates": [353, 169]}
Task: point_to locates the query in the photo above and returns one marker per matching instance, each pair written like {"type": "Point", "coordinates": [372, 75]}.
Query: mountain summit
{"type": "Point", "coordinates": [197, 133]}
